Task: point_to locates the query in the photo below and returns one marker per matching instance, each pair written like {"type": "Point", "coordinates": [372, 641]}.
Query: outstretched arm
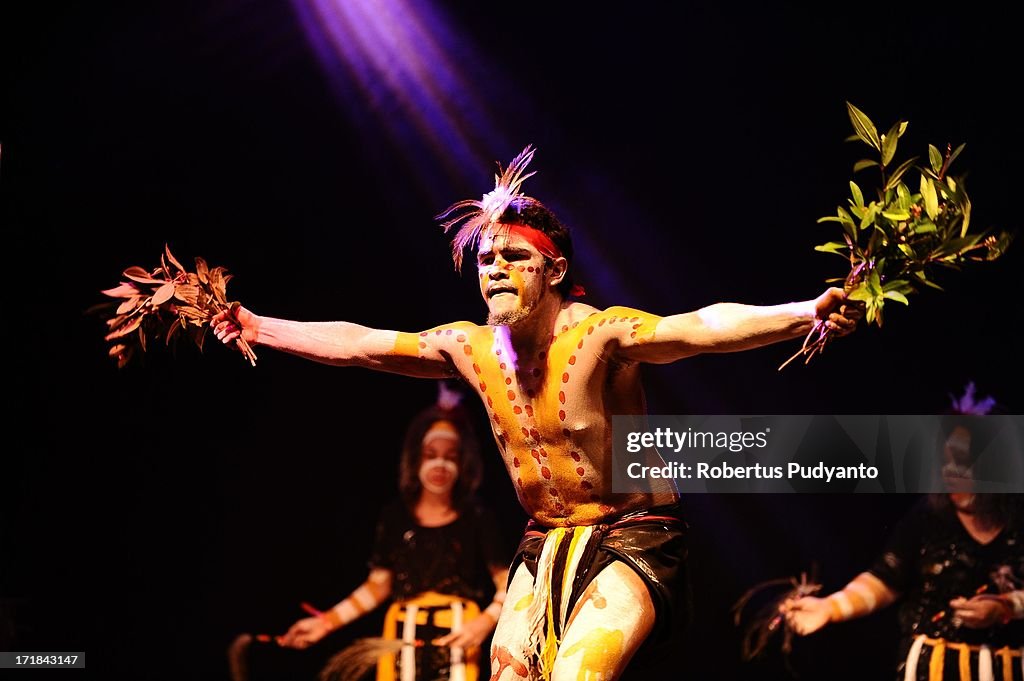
{"type": "Point", "coordinates": [730, 327]}
{"type": "Point", "coordinates": [374, 591]}
{"type": "Point", "coordinates": [863, 596]}
{"type": "Point", "coordinates": [424, 355]}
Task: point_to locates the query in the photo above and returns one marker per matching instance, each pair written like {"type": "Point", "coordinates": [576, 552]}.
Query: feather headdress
{"type": "Point", "coordinates": [968, 405]}
{"type": "Point", "coordinates": [473, 217]}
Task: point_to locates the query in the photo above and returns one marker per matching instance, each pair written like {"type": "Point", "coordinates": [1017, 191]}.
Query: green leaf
{"type": "Point", "coordinates": [863, 163]}
{"type": "Point", "coordinates": [832, 247]}
{"type": "Point", "coordinates": [889, 144]}
{"type": "Point", "coordinates": [863, 126]}
{"type": "Point", "coordinates": [956, 152]}
{"type": "Point", "coordinates": [967, 216]}
{"type": "Point", "coordinates": [858, 196]}
{"type": "Point", "coordinates": [829, 218]}
{"type": "Point", "coordinates": [934, 158]}
{"type": "Point", "coordinates": [852, 138]}
{"type": "Point", "coordinates": [896, 215]}
{"type": "Point", "coordinates": [897, 296]}
{"type": "Point", "coordinates": [931, 198]}
{"type": "Point", "coordinates": [869, 216]}
{"type": "Point", "coordinates": [902, 196]}
{"type": "Point", "coordinates": [898, 173]}
{"type": "Point", "coordinates": [903, 127]}
{"type": "Point", "coordinates": [924, 227]}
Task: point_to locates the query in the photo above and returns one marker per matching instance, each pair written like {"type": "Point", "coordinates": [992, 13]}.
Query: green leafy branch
{"type": "Point", "coordinates": [896, 239]}
{"type": "Point", "coordinates": [166, 302]}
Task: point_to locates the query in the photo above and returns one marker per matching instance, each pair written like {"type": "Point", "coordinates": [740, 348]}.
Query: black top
{"type": "Point", "coordinates": [452, 559]}
{"type": "Point", "coordinates": [932, 559]}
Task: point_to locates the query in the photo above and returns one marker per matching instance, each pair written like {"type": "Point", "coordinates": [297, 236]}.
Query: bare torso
{"type": "Point", "coordinates": [550, 408]}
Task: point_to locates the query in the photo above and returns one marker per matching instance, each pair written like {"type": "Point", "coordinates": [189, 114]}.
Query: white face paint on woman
{"type": "Point", "coordinates": [439, 468]}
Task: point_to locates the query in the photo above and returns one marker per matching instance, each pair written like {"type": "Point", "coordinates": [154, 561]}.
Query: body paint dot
{"type": "Point", "coordinates": [575, 324]}
{"type": "Point", "coordinates": [575, 456]}
{"type": "Point", "coordinates": [530, 268]}
{"type": "Point", "coordinates": [529, 411]}
{"type": "Point", "coordinates": [636, 326]}
{"type": "Point", "coordinates": [502, 366]}
{"type": "Point", "coordinates": [483, 387]}
{"type": "Point", "coordinates": [566, 432]}
{"type": "Point", "coordinates": [632, 335]}
{"type": "Point", "coordinates": [612, 320]}
{"type": "Point", "coordinates": [522, 268]}
{"type": "Point", "coordinates": [553, 492]}
{"type": "Point", "coordinates": [579, 471]}
{"type": "Point", "coordinates": [543, 453]}
{"type": "Point", "coordinates": [579, 346]}
{"type": "Point", "coordinates": [546, 472]}
{"type": "Point", "coordinates": [601, 323]}
{"type": "Point", "coordinates": [634, 319]}
{"type": "Point", "coordinates": [572, 360]}
{"type": "Point", "coordinates": [476, 367]}
{"type": "Point", "coordinates": [498, 352]}
{"type": "Point", "coordinates": [561, 396]}
{"type": "Point", "coordinates": [490, 402]}
{"type": "Point", "coordinates": [515, 461]}
{"type": "Point", "coordinates": [424, 333]}
{"type": "Point", "coordinates": [422, 344]}
{"type": "Point", "coordinates": [536, 372]}
{"type": "Point", "coordinates": [468, 349]}
{"type": "Point", "coordinates": [438, 332]}
{"type": "Point", "coordinates": [561, 414]}
{"type": "Point", "coordinates": [517, 410]}
{"type": "Point", "coordinates": [508, 381]}
{"type": "Point", "coordinates": [534, 434]}
{"type": "Point", "coordinates": [590, 331]}
{"type": "Point", "coordinates": [461, 338]}
{"type": "Point", "coordinates": [565, 377]}
{"type": "Point", "coordinates": [448, 332]}
{"type": "Point", "coordinates": [535, 454]}
{"type": "Point", "coordinates": [511, 396]}
{"type": "Point", "coordinates": [542, 355]}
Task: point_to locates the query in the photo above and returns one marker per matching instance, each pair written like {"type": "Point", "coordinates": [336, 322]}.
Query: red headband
{"type": "Point", "coordinates": [545, 246]}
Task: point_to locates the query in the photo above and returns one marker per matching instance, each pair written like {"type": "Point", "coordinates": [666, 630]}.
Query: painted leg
{"type": "Point", "coordinates": [510, 659]}
{"type": "Point", "coordinates": [611, 620]}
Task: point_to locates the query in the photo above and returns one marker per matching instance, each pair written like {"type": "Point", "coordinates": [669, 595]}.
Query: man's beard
{"type": "Point", "coordinates": [509, 317]}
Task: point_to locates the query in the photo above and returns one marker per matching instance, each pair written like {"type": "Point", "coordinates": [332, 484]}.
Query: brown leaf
{"type": "Point", "coordinates": [163, 294]}
{"type": "Point", "coordinates": [116, 350]}
{"type": "Point", "coordinates": [142, 276]}
{"type": "Point", "coordinates": [202, 271]}
{"type": "Point", "coordinates": [126, 329]}
{"type": "Point", "coordinates": [123, 291]}
{"type": "Point", "coordinates": [129, 304]}
{"type": "Point", "coordinates": [142, 338]}
{"type": "Point", "coordinates": [174, 261]}
{"type": "Point", "coordinates": [175, 327]}
{"type": "Point", "coordinates": [187, 293]}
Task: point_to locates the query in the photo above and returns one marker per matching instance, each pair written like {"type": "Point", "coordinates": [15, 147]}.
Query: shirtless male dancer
{"type": "Point", "coordinates": [597, 572]}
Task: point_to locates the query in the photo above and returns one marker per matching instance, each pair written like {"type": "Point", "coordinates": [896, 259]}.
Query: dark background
{"type": "Point", "coordinates": [149, 515]}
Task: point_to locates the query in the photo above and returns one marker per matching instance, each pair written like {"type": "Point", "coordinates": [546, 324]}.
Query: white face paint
{"type": "Point", "coordinates": [438, 461]}
{"type": "Point", "coordinates": [438, 475]}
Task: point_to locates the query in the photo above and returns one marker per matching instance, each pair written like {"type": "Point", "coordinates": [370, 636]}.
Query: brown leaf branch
{"type": "Point", "coordinates": [166, 303]}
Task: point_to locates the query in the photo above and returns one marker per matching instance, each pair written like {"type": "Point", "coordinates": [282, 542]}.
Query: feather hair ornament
{"type": "Point", "coordinates": [967, 404]}
{"type": "Point", "coordinates": [474, 217]}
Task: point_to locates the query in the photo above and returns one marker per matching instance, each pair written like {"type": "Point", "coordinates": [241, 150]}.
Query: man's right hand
{"type": "Point", "coordinates": [806, 615]}
{"type": "Point", "coordinates": [306, 632]}
{"type": "Point", "coordinates": [230, 326]}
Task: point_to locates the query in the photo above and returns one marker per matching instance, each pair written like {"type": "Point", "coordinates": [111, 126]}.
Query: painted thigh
{"type": "Point", "coordinates": [612, 618]}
